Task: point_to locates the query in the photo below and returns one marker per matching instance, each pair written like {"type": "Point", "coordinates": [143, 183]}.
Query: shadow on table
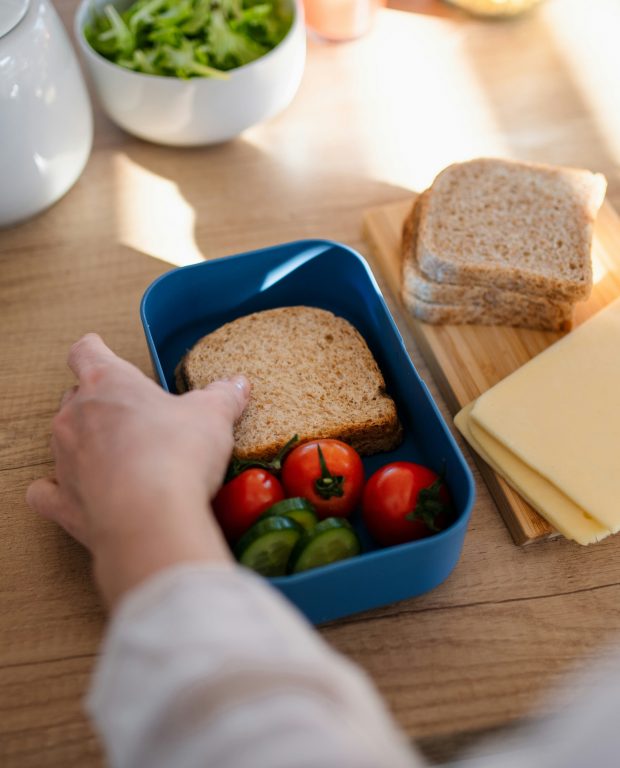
{"type": "Point", "coordinates": [181, 207]}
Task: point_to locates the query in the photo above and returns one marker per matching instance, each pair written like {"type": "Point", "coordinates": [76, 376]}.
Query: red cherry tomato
{"type": "Point", "coordinates": [242, 500]}
{"type": "Point", "coordinates": [405, 501]}
{"type": "Point", "coordinates": [328, 473]}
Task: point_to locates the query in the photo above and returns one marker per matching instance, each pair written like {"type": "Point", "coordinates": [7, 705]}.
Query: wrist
{"type": "Point", "coordinates": [123, 559]}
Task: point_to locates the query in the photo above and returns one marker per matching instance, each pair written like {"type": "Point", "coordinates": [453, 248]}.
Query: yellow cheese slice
{"type": "Point", "coordinates": [547, 500]}
{"type": "Point", "coordinates": [560, 415]}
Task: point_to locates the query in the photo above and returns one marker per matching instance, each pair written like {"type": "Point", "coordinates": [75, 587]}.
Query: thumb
{"type": "Point", "coordinates": [226, 397]}
{"type": "Point", "coordinates": [88, 351]}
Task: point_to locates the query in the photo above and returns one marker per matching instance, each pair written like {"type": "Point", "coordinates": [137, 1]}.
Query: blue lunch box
{"type": "Point", "coordinates": [186, 303]}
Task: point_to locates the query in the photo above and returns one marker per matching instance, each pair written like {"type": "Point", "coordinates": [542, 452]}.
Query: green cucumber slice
{"type": "Point", "coordinates": [331, 540]}
{"type": "Point", "coordinates": [298, 509]}
{"type": "Point", "coordinates": [267, 546]}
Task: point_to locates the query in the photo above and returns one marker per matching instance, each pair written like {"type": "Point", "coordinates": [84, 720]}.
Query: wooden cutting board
{"type": "Point", "coordinates": [466, 360]}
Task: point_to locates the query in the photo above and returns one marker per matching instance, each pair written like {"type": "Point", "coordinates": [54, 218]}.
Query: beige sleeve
{"type": "Point", "coordinates": [209, 666]}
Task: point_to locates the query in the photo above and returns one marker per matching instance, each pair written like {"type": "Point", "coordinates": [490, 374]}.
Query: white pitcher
{"type": "Point", "coordinates": [46, 123]}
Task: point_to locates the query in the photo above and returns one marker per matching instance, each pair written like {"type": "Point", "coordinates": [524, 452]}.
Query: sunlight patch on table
{"type": "Point", "coordinates": [152, 215]}
{"type": "Point", "coordinates": [430, 107]}
{"type": "Point", "coordinates": [574, 24]}
{"type": "Point", "coordinates": [599, 268]}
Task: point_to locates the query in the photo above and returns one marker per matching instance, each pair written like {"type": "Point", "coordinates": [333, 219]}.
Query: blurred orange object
{"type": "Point", "coordinates": [340, 20]}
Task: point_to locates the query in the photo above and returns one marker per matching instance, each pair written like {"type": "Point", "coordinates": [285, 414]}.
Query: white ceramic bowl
{"type": "Point", "coordinates": [168, 110]}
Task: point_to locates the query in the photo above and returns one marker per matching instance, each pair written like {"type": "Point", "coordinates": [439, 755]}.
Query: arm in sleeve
{"type": "Point", "coordinates": [209, 666]}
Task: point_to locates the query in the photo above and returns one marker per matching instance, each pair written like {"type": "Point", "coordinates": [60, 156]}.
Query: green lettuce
{"type": "Point", "coordinates": [188, 38]}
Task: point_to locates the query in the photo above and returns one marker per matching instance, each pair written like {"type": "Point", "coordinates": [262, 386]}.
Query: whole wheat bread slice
{"type": "Point", "coordinates": [516, 226]}
{"type": "Point", "coordinates": [435, 302]}
{"type": "Point", "coordinates": [481, 313]}
{"type": "Point", "coordinates": [312, 374]}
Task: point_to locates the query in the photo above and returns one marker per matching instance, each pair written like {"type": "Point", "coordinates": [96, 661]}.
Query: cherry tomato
{"type": "Point", "coordinates": [242, 500]}
{"type": "Point", "coordinates": [405, 501]}
{"type": "Point", "coordinates": [328, 473]}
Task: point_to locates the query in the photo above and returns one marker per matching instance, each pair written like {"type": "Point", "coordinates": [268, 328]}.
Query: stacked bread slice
{"type": "Point", "coordinates": [498, 242]}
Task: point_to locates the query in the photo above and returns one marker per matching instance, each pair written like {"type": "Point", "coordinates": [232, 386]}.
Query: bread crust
{"type": "Point", "coordinates": [312, 374]}
{"type": "Point", "coordinates": [477, 314]}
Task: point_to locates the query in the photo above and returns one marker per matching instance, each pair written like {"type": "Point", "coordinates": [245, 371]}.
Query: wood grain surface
{"type": "Point", "coordinates": [466, 360]}
{"type": "Point", "coordinates": [374, 120]}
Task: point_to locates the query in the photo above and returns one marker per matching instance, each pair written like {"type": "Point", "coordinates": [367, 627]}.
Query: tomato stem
{"type": "Point", "coordinates": [328, 485]}
{"type": "Point", "coordinates": [237, 466]}
{"type": "Point", "coordinates": [429, 505]}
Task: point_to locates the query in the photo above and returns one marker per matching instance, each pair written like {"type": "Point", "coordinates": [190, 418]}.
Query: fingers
{"type": "Point", "coordinates": [68, 395]}
{"type": "Point", "coordinates": [233, 394]}
{"type": "Point", "coordinates": [88, 352]}
{"type": "Point", "coordinates": [228, 398]}
{"type": "Point", "coordinates": [43, 496]}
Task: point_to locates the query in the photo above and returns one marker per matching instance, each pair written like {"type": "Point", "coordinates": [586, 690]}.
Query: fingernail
{"type": "Point", "coordinates": [242, 384]}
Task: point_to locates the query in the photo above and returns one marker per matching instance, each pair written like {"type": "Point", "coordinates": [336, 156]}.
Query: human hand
{"type": "Point", "coordinates": [136, 467]}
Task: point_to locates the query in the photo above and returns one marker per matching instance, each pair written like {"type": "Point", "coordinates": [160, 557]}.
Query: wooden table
{"type": "Point", "coordinates": [373, 120]}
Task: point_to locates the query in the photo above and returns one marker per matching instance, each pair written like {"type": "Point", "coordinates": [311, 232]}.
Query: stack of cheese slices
{"type": "Point", "coordinates": [497, 242]}
{"type": "Point", "coordinates": [552, 429]}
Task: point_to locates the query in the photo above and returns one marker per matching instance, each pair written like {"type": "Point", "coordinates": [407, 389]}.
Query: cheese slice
{"type": "Point", "coordinates": [569, 519]}
{"type": "Point", "coordinates": [560, 415]}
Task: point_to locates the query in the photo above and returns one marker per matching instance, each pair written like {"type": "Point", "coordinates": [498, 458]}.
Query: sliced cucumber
{"type": "Point", "coordinates": [267, 546]}
{"type": "Point", "coordinates": [331, 540]}
{"type": "Point", "coordinates": [298, 509]}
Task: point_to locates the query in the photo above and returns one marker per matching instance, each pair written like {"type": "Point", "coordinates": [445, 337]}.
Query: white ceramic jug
{"type": "Point", "coordinates": [46, 123]}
